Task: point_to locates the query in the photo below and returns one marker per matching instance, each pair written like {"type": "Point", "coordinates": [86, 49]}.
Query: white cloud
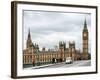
{"type": "Point", "coordinates": [48, 28]}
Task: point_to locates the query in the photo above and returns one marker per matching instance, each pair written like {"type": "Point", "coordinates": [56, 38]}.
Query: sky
{"type": "Point", "coordinates": [47, 28]}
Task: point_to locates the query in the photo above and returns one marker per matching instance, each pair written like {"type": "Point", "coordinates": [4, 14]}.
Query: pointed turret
{"type": "Point", "coordinates": [85, 25]}
{"type": "Point", "coordinates": [29, 36]}
{"type": "Point", "coordinates": [29, 41]}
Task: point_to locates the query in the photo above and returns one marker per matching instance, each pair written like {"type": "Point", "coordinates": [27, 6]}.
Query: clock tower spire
{"type": "Point", "coordinates": [85, 41]}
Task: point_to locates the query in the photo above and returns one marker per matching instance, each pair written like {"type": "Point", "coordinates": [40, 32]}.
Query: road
{"type": "Point", "coordinates": [74, 64]}
{"type": "Point", "coordinates": [63, 65]}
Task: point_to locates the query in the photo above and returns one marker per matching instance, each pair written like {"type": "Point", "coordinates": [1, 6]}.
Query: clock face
{"type": "Point", "coordinates": [84, 35]}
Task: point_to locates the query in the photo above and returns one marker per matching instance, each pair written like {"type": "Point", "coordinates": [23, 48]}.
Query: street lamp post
{"type": "Point", "coordinates": [38, 63]}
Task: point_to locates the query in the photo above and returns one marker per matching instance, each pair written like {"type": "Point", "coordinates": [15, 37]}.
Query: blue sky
{"type": "Point", "coordinates": [48, 28]}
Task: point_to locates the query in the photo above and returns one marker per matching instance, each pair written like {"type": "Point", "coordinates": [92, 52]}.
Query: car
{"type": "Point", "coordinates": [68, 60]}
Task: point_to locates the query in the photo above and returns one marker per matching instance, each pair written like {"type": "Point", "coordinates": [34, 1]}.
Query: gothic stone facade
{"type": "Point", "coordinates": [32, 54]}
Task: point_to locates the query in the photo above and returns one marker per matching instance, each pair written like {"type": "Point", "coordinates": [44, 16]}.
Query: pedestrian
{"type": "Point", "coordinates": [55, 60]}
{"type": "Point", "coordinates": [33, 63]}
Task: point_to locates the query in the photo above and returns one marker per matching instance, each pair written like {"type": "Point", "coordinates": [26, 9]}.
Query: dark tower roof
{"type": "Point", "coordinates": [29, 41]}
{"type": "Point", "coordinates": [85, 25]}
{"type": "Point", "coordinates": [29, 33]}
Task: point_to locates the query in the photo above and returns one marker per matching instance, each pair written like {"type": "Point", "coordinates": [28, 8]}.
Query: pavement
{"type": "Point", "coordinates": [43, 66]}
{"type": "Point", "coordinates": [63, 65]}
{"type": "Point", "coordinates": [74, 64]}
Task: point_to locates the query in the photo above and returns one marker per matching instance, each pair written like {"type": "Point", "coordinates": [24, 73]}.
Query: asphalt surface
{"type": "Point", "coordinates": [64, 65]}
{"type": "Point", "coordinates": [74, 64]}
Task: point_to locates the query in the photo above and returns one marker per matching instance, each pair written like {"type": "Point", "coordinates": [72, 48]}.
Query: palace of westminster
{"type": "Point", "coordinates": [32, 54]}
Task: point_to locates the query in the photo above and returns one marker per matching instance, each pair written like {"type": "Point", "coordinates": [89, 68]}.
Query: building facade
{"type": "Point", "coordinates": [32, 54]}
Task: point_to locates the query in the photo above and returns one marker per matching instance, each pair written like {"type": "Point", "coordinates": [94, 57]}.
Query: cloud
{"type": "Point", "coordinates": [48, 28]}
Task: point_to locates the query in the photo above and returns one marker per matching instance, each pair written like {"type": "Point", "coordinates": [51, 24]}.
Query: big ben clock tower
{"type": "Point", "coordinates": [85, 41]}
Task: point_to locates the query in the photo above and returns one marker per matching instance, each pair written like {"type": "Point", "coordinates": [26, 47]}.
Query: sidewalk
{"type": "Point", "coordinates": [43, 66]}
